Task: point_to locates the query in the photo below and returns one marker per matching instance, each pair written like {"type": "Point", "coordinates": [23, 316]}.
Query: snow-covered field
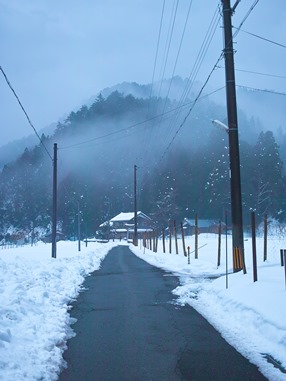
{"type": "Point", "coordinates": [35, 291]}
{"type": "Point", "coordinates": [250, 316]}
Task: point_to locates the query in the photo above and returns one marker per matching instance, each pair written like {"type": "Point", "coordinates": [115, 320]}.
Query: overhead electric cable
{"type": "Point", "coordinates": [191, 109]}
{"type": "Point", "coordinates": [166, 55]}
{"type": "Point", "coordinates": [168, 48]}
{"type": "Point", "coordinates": [202, 53]}
{"type": "Point", "coordinates": [177, 57]}
{"type": "Point", "coordinates": [23, 109]}
{"type": "Point", "coordinates": [262, 90]}
{"type": "Point", "coordinates": [262, 38]}
{"type": "Point", "coordinates": [245, 17]}
{"type": "Point", "coordinates": [256, 72]}
{"type": "Point", "coordinates": [157, 49]}
{"type": "Point", "coordinates": [139, 123]}
{"type": "Point", "coordinates": [197, 65]}
{"type": "Point", "coordinates": [178, 53]}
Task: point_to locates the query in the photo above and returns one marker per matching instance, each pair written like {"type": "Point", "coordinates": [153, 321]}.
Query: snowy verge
{"type": "Point", "coordinates": [35, 292]}
{"type": "Point", "coordinates": [250, 316]}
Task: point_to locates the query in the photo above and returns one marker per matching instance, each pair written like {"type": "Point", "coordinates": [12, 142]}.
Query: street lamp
{"type": "Point", "coordinates": [220, 125]}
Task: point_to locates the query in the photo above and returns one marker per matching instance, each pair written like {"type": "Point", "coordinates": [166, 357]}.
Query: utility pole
{"type": "Point", "coordinates": [54, 215]}
{"type": "Point", "coordinates": [78, 226]}
{"type": "Point", "coordinates": [235, 181]}
{"type": "Point", "coordinates": [135, 238]}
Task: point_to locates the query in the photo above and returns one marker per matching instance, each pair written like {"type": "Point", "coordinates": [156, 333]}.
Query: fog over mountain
{"type": "Point", "coordinates": [182, 163]}
{"type": "Point", "coordinates": [267, 108]}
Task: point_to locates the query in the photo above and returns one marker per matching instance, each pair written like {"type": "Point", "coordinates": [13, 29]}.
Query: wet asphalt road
{"type": "Point", "coordinates": [129, 328]}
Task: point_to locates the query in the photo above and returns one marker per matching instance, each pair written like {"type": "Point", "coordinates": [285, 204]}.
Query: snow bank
{"type": "Point", "coordinates": [250, 316]}
{"type": "Point", "coordinates": [35, 291]}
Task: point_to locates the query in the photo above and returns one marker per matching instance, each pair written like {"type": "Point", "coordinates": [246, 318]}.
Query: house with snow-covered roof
{"type": "Point", "coordinates": [122, 225]}
{"type": "Point", "coordinates": [204, 226]}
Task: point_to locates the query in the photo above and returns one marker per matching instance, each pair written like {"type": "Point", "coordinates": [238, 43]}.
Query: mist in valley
{"type": "Point", "coordinates": [182, 163]}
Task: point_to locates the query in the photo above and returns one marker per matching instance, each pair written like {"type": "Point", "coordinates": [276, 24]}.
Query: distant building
{"type": "Point", "coordinates": [59, 237]}
{"type": "Point", "coordinates": [122, 226]}
{"type": "Point", "coordinates": [204, 226]}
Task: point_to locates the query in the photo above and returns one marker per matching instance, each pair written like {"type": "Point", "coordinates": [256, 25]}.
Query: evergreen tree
{"type": "Point", "coordinates": [268, 175]}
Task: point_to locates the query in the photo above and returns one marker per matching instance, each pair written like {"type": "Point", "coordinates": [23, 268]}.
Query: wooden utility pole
{"type": "Point", "coordinates": [170, 239]}
{"type": "Point", "coordinates": [253, 230]}
{"type": "Point", "coordinates": [176, 238]}
{"type": "Point", "coordinates": [235, 181]}
{"type": "Point", "coordinates": [54, 215]}
{"type": "Point", "coordinates": [78, 226]}
{"type": "Point", "coordinates": [196, 237]}
{"type": "Point", "coordinates": [265, 238]}
{"type": "Point", "coordinates": [183, 239]}
{"type": "Point", "coordinates": [219, 244]}
{"type": "Point", "coordinates": [135, 237]}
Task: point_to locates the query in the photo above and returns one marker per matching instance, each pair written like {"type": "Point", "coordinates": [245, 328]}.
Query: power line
{"type": "Point", "coordinates": [189, 112]}
{"type": "Point", "coordinates": [157, 48]}
{"type": "Point", "coordinates": [256, 72]}
{"type": "Point", "coordinates": [178, 53]}
{"type": "Point", "coordinates": [245, 17]}
{"type": "Point", "coordinates": [140, 123]}
{"type": "Point", "coordinates": [202, 53]}
{"type": "Point", "coordinates": [197, 65]}
{"type": "Point", "coordinates": [177, 57]}
{"type": "Point", "coordinates": [168, 47]}
{"type": "Point", "coordinates": [262, 90]}
{"type": "Point", "coordinates": [166, 55]}
{"type": "Point", "coordinates": [23, 109]}
{"type": "Point", "coordinates": [262, 38]}
{"type": "Point", "coordinates": [191, 109]}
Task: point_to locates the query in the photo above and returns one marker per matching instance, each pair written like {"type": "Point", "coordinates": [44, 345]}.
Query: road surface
{"type": "Point", "coordinates": [130, 328]}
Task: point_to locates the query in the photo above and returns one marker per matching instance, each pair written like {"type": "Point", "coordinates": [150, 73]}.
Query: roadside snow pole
{"type": "Point", "coordinates": [265, 238]}
{"type": "Point", "coordinates": [78, 227]}
{"type": "Point", "coordinates": [281, 257]}
{"type": "Point", "coordinates": [285, 265]}
{"type": "Point", "coordinates": [170, 239]}
{"type": "Point", "coordinates": [226, 261]}
{"type": "Point", "coordinates": [189, 255]}
{"type": "Point", "coordinates": [154, 241]}
{"type": "Point", "coordinates": [163, 240]}
{"type": "Point", "coordinates": [54, 216]}
{"type": "Point", "coordinates": [183, 240]}
{"type": "Point", "coordinates": [254, 247]}
{"type": "Point", "coordinates": [219, 244]}
{"type": "Point", "coordinates": [176, 238]}
{"type": "Point", "coordinates": [196, 236]}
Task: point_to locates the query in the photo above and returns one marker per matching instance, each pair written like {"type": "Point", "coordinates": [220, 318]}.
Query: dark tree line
{"type": "Point", "coordinates": [193, 176]}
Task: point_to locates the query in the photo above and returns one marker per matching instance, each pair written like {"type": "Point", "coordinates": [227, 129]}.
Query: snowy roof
{"type": "Point", "coordinates": [123, 217]}
{"type": "Point", "coordinates": [201, 223]}
{"type": "Point", "coordinates": [128, 216]}
{"type": "Point", "coordinates": [106, 223]}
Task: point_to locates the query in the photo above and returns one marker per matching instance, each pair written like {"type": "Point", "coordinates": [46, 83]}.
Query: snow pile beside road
{"type": "Point", "coordinates": [35, 291]}
{"type": "Point", "coordinates": [250, 316]}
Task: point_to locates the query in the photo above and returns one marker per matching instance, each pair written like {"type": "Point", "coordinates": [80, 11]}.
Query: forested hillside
{"type": "Point", "coordinates": [182, 167]}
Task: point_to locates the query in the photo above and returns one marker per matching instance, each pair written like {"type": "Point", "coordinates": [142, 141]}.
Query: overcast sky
{"type": "Point", "coordinates": [59, 53]}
